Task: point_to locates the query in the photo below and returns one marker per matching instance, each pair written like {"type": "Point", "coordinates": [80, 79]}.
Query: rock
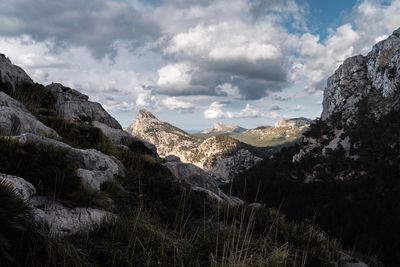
{"type": "Point", "coordinates": [15, 119]}
{"type": "Point", "coordinates": [294, 123]}
{"type": "Point", "coordinates": [347, 86]}
{"type": "Point", "coordinates": [94, 167]}
{"type": "Point", "coordinates": [172, 158]}
{"type": "Point", "coordinates": [199, 180]}
{"type": "Point", "coordinates": [63, 220]}
{"type": "Point", "coordinates": [284, 133]}
{"type": "Point", "coordinates": [209, 154]}
{"type": "Point", "coordinates": [347, 261]}
{"type": "Point", "coordinates": [11, 75]}
{"type": "Point", "coordinates": [121, 137]}
{"type": "Point", "coordinates": [220, 128]}
{"type": "Point", "coordinates": [378, 72]}
{"type": "Point", "coordinates": [71, 105]}
{"type": "Point", "coordinates": [23, 188]}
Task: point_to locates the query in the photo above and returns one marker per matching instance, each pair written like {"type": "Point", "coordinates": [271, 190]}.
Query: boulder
{"type": "Point", "coordinates": [23, 188]}
{"type": "Point", "coordinates": [11, 75]}
{"type": "Point", "coordinates": [64, 220]}
{"type": "Point", "coordinates": [71, 105]}
{"type": "Point", "coordinates": [15, 119]}
{"type": "Point", "coordinates": [121, 137]}
{"type": "Point", "coordinates": [94, 167]}
{"type": "Point", "coordinates": [199, 180]}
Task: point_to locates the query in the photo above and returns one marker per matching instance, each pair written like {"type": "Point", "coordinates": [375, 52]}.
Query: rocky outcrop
{"type": "Point", "coordinates": [23, 188]}
{"type": "Point", "coordinates": [221, 156]}
{"type": "Point", "coordinates": [71, 105]}
{"type": "Point", "coordinates": [15, 119]}
{"type": "Point", "coordinates": [220, 128]}
{"type": "Point", "coordinates": [64, 220]}
{"type": "Point", "coordinates": [379, 72]}
{"type": "Point", "coordinates": [294, 123]}
{"type": "Point", "coordinates": [199, 180]}
{"type": "Point", "coordinates": [121, 137]}
{"type": "Point", "coordinates": [61, 220]}
{"type": "Point", "coordinates": [11, 75]}
{"type": "Point", "coordinates": [94, 167]}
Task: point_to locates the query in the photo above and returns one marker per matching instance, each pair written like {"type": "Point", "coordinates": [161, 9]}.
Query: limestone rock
{"type": "Point", "coordinates": [15, 119]}
{"type": "Point", "coordinates": [210, 154]}
{"type": "Point", "coordinates": [379, 71]}
{"type": "Point", "coordinates": [121, 137]}
{"type": "Point", "coordinates": [199, 180]}
{"type": "Point", "coordinates": [12, 75]}
{"type": "Point", "coordinates": [72, 105]}
{"type": "Point", "coordinates": [23, 188]}
{"type": "Point", "coordinates": [94, 167]}
{"type": "Point", "coordinates": [223, 128]}
{"type": "Point", "coordinates": [63, 220]}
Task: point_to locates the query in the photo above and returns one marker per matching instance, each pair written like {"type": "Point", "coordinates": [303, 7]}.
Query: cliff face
{"type": "Point", "coordinates": [378, 72]}
{"type": "Point", "coordinates": [221, 156]}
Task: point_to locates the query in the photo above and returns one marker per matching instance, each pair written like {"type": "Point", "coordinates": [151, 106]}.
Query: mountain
{"type": "Point", "coordinates": [221, 156]}
{"type": "Point", "coordinates": [345, 171]}
{"type": "Point", "coordinates": [77, 190]}
{"type": "Point", "coordinates": [221, 128]}
{"type": "Point", "coordinates": [283, 133]}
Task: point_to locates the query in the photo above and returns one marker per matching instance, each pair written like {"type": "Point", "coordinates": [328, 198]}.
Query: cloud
{"type": "Point", "coordinates": [370, 22]}
{"type": "Point", "coordinates": [275, 108]}
{"type": "Point", "coordinates": [215, 111]}
{"type": "Point", "coordinates": [173, 103]}
{"type": "Point", "coordinates": [97, 25]}
{"type": "Point", "coordinates": [253, 60]}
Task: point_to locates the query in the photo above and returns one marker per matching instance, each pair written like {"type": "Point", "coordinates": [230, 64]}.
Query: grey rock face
{"type": "Point", "coordinates": [72, 105]}
{"type": "Point", "coordinates": [23, 188]}
{"type": "Point", "coordinates": [199, 180]}
{"type": "Point", "coordinates": [15, 119]}
{"type": "Point", "coordinates": [95, 167]}
{"type": "Point", "coordinates": [64, 220]}
{"type": "Point", "coordinates": [121, 137]}
{"type": "Point", "coordinates": [348, 85]}
{"type": "Point", "coordinates": [12, 75]}
{"type": "Point", "coordinates": [379, 71]}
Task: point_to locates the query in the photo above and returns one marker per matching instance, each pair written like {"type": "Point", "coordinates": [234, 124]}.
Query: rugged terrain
{"type": "Point", "coordinates": [77, 190]}
{"type": "Point", "coordinates": [220, 155]}
{"type": "Point", "coordinates": [284, 132]}
{"type": "Point", "coordinates": [345, 172]}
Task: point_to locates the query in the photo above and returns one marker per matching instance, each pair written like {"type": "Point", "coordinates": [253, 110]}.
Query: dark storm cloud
{"type": "Point", "coordinates": [251, 89]}
{"type": "Point", "coordinates": [96, 24]}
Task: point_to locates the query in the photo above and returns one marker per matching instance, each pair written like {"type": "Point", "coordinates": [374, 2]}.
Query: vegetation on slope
{"type": "Point", "coordinates": [355, 197]}
{"type": "Point", "coordinates": [159, 222]}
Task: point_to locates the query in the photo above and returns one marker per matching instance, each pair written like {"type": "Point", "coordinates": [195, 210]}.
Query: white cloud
{"type": "Point", "coordinates": [177, 75]}
{"type": "Point", "coordinates": [173, 103]}
{"type": "Point", "coordinates": [215, 111]}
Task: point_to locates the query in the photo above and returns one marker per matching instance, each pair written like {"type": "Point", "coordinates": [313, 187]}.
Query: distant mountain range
{"type": "Point", "coordinates": [284, 132]}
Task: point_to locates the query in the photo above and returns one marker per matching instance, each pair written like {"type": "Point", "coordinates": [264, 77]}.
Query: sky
{"type": "Point", "coordinates": [194, 62]}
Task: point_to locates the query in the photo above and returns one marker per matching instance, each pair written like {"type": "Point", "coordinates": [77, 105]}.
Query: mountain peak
{"type": "Point", "coordinates": [145, 114]}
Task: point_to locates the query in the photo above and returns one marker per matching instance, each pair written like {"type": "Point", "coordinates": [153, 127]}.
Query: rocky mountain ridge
{"type": "Point", "coordinates": [222, 128]}
{"type": "Point", "coordinates": [221, 156]}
